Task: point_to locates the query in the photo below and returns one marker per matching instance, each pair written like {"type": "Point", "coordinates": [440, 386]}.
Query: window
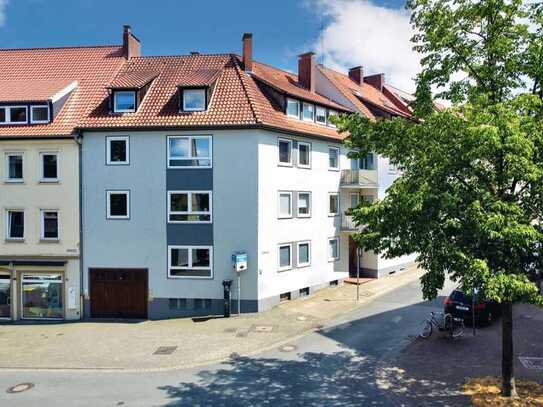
{"type": "Point", "coordinates": [49, 225]}
{"type": "Point", "coordinates": [39, 114]}
{"type": "Point", "coordinates": [124, 101]}
{"type": "Point", "coordinates": [118, 204]}
{"type": "Point", "coordinates": [190, 262]}
{"type": "Point", "coordinates": [15, 225]}
{"type": "Point", "coordinates": [333, 208]}
{"type": "Point", "coordinates": [304, 254]}
{"type": "Point", "coordinates": [49, 167]}
{"type": "Point", "coordinates": [189, 207]}
{"type": "Point", "coordinates": [333, 158]}
{"type": "Point", "coordinates": [304, 204]}
{"type": "Point", "coordinates": [285, 152]}
{"type": "Point", "coordinates": [293, 108]}
{"type": "Point", "coordinates": [331, 113]}
{"type": "Point", "coordinates": [13, 114]}
{"type": "Point", "coordinates": [333, 249]}
{"type": "Point", "coordinates": [285, 256]}
{"type": "Point", "coordinates": [304, 155]}
{"type": "Point", "coordinates": [14, 167]}
{"type": "Point", "coordinates": [367, 162]}
{"type": "Point", "coordinates": [189, 152]}
{"type": "Point", "coordinates": [320, 115]}
{"type": "Point", "coordinates": [118, 150]}
{"type": "Point", "coordinates": [42, 296]}
{"type": "Point", "coordinates": [285, 204]}
{"type": "Point", "coordinates": [194, 100]}
{"type": "Point", "coordinates": [308, 112]}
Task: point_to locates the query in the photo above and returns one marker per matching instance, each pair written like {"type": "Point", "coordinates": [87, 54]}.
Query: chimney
{"type": "Point", "coordinates": [247, 52]}
{"type": "Point", "coordinates": [356, 74]}
{"type": "Point", "coordinates": [131, 45]}
{"type": "Point", "coordinates": [306, 70]}
{"type": "Point", "coordinates": [377, 81]}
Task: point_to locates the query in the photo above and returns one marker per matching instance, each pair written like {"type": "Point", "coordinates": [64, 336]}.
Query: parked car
{"type": "Point", "coordinates": [460, 305]}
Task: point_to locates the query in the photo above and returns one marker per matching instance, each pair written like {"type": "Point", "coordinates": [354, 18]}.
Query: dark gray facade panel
{"type": "Point", "coordinates": [159, 308]}
{"type": "Point", "coordinates": [189, 234]}
{"type": "Point", "coordinates": [190, 179]}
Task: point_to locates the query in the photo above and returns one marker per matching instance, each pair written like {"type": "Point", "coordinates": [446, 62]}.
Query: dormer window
{"type": "Point", "coordinates": [293, 108]}
{"type": "Point", "coordinates": [124, 101]}
{"type": "Point", "coordinates": [13, 114]}
{"type": "Point", "coordinates": [308, 113]}
{"type": "Point", "coordinates": [320, 115]}
{"type": "Point", "coordinates": [194, 99]}
{"type": "Point", "coordinates": [39, 114]}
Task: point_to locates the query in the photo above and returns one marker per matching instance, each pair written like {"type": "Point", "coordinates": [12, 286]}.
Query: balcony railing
{"type": "Point", "coordinates": [347, 223]}
{"type": "Point", "coordinates": [359, 178]}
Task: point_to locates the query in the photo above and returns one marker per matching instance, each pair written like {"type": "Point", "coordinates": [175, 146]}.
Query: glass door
{"type": "Point", "coordinates": [42, 296]}
{"type": "Point", "coordinates": [5, 296]}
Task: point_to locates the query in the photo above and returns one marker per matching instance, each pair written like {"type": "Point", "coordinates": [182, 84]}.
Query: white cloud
{"type": "Point", "coordinates": [3, 6]}
{"type": "Point", "coordinates": [358, 32]}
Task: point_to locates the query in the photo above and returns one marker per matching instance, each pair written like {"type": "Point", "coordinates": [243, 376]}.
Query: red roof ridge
{"type": "Point", "coordinates": [250, 99]}
{"type": "Point", "coordinates": [60, 48]}
{"type": "Point", "coordinates": [143, 57]}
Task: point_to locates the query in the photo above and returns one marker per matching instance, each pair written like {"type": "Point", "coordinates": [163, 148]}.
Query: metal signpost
{"type": "Point", "coordinates": [473, 293]}
{"type": "Point", "coordinates": [358, 255]}
{"type": "Point", "coordinates": [239, 264]}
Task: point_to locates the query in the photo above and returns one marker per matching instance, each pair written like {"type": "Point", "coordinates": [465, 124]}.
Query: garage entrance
{"type": "Point", "coordinates": [118, 293]}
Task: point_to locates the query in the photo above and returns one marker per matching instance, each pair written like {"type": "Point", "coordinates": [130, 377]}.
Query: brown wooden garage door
{"type": "Point", "coordinates": [118, 293]}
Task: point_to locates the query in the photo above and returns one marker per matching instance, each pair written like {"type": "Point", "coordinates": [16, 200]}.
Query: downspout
{"type": "Point", "coordinates": [78, 136]}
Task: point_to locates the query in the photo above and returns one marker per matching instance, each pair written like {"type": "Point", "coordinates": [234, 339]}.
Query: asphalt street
{"type": "Point", "coordinates": [335, 366]}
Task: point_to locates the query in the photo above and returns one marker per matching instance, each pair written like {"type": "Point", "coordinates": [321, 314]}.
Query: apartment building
{"type": "Point", "coordinates": [176, 163]}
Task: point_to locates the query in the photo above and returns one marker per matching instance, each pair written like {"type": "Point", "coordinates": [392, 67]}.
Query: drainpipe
{"type": "Point", "coordinates": [78, 136]}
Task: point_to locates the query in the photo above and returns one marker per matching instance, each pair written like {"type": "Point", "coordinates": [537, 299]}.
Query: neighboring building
{"type": "Point", "coordinates": [43, 93]}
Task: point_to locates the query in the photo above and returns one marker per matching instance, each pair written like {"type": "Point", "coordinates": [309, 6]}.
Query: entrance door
{"type": "Point", "coordinates": [5, 296]}
{"type": "Point", "coordinates": [118, 293]}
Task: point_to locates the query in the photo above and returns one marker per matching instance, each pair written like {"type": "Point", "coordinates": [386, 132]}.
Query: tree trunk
{"type": "Point", "coordinates": [508, 378]}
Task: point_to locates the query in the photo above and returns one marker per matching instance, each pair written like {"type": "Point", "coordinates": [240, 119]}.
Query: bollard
{"type": "Point", "coordinates": [227, 284]}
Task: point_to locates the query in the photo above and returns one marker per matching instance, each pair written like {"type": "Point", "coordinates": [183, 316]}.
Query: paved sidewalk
{"type": "Point", "coordinates": [131, 346]}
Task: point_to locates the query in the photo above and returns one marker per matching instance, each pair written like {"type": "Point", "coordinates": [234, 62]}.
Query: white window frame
{"type": "Point", "coordinates": [190, 211]}
{"type": "Point", "coordinates": [185, 109]}
{"type": "Point", "coordinates": [308, 215]}
{"type": "Point", "coordinates": [298, 244]}
{"type": "Point", "coordinates": [299, 105]}
{"type": "Point", "coordinates": [290, 144]}
{"type": "Point", "coordinates": [110, 192]}
{"type": "Point", "coordinates": [6, 166]}
{"type": "Point", "coordinates": [284, 268]}
{"type": "Point", "coordinates": [8, 225]}
{"type": "Point", "coordinates": [330, 258]}
{"type": "Point", "coordinates": [312, 119]}
{"type": "Point", "coordinates": [39, 107]}
{"type": "Point", "coordinates": [321, 108]}
{"type": "Point", "coordinates": [331, 112]}
{"type": "Point", "coordinates": [109, 139]}
{"type": "Point", "coordinates": [190, 248]}
{"type": "Point", "coordinates": [336, 194]}
{"type": "Point", "coordinates": [303, 143]}
{"type": "Point", "coordinates": [42, 169]}
{"type": "Point", "coordinates": [338, 158]}
{"type": "Point", "coordinates": [190, 138]}
{"type": "Point", "coordinates": [279, 214]}
{"type": "Point", "coordinates": [118, 92]}
{"type": "Point", "coordinates": [42, 225]}
{"type": "Point", "coordinates": [8, 114]}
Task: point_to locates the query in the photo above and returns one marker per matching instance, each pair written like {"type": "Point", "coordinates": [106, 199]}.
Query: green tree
{"type": "Point", "coordinates": [470, 198]}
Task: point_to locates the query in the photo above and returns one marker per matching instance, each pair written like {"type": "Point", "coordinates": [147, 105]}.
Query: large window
{"type": "Point", "coordinates": [304, 155]}
{"type": "Point", "coordinates": [42, 296]}
{"type": "Point", "coordinates": [190, 262]}
{"type": "Point", "coordinates": [285, 204]}
{"type": "Point", "coordinates": [333, 249]}
{"type": "Point", "coordinates": [189, 206]}
{"type": "Point", "coordinates": [194, 100]}
{"type": "Point", "coordinates": [333, 158]}
{"type": "Point", "coordinates": [293, 108]}
{"type": "Point", "coordinates": [117, 150]}
{"type": "Point", "coordinates": [14, 167]}
{"type": "Point", "coordinates": [49, 225]}
{"type": "Point", "coordinates": [333, 204]}
{"type": "Point", "coordinates": [304, 204]}
{"type": "Point", "coordinates": [39, 114]}
{"type": "Point", "coordinates": [366, 163]}
{"type": "Point", "coordinates": [49, 167]}
{"type": "Point", "coordinates": [285, 256]}
{"type": "Point", "coordinates": [13, 114]}
{"type": "Point", "coordinates": [118, 204]}
{"type": "Point", "coordinates": [15, 225]}
{"type": "Point", "coordinates": [304, 254]}
{"type": "Point", "coordinates": [124, 101]}
{"type": "Point", "coordinates": [285, 152]}
{"type": "Point", "coordinates": [189, 152]}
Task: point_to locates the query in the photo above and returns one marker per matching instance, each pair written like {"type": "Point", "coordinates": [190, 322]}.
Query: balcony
{"type": "Point", "coordinates": [359, 179]}
{"type": "Point", "coordinates": [347, 223]}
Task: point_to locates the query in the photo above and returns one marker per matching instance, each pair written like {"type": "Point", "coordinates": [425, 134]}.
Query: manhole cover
{"type": "Point", "coordinates": [263, 328]}
{"type": "Point", "coordinates": [165, 350]}
{"type": "Point", "coordinates": [531, 363]}
{"type": "Point", "coordinates": [19, 388]}
{"type": "Point", "coordinates": [287, 348]}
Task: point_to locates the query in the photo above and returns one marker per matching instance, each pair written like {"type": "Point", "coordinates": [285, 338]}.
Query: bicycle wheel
{"type": "Point", "coordinates": [427, 330]}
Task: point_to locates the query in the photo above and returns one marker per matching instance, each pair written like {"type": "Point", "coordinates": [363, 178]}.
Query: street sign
{"type": "Point", "coordinates": [239, 261]}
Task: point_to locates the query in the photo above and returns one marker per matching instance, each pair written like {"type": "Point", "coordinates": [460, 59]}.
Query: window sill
{"type": "Point", "coordinates": [304, 216]}
{"type": "Point", "coordinates": [49, 241]}
{"type": "Point", "coordinates": [304, 167]}
{"type": "Point", "coordinates": [285, 217]}
{"type": "Point", "coordinates": [280, 164]}
{"type": "Point", "coordinates": [333, 215]}
{"type": "Point", "coordinates": [284, 269]}
{"type": "Point", "coordinates": [14, 181]}
{"type": "Point", "coordinates": [49, 181]}
{"type": "Point", "coordinates": [304, 266]}
{"type": "Point", "coordinates": [333, 260]}
{"type": "Point", "coordinates": [12, 240]}
{"type": "Point", "coordinates": [195, 222]}
{"type": "Point", "coordinates": [118, 218]}
{"type": "Point", "coordinates": [333, 169]}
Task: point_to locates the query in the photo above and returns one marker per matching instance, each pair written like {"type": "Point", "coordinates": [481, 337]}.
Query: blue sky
{"type": "Point", "coordinates": [282, 28]}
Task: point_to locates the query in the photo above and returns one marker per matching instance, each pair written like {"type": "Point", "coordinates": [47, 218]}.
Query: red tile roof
{"type": "Point", "coordinates": [31, 90]}
{"type": "Point", "coordinates": [200, 77]}
{"type": "Point", "coordinates": [134, 79]}
{"type": "Point", "coordinates": [91, 67]}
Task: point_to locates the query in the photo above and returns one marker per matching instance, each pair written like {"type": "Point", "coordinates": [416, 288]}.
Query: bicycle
{"type": "Point", "coordinates": [454, 327]}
